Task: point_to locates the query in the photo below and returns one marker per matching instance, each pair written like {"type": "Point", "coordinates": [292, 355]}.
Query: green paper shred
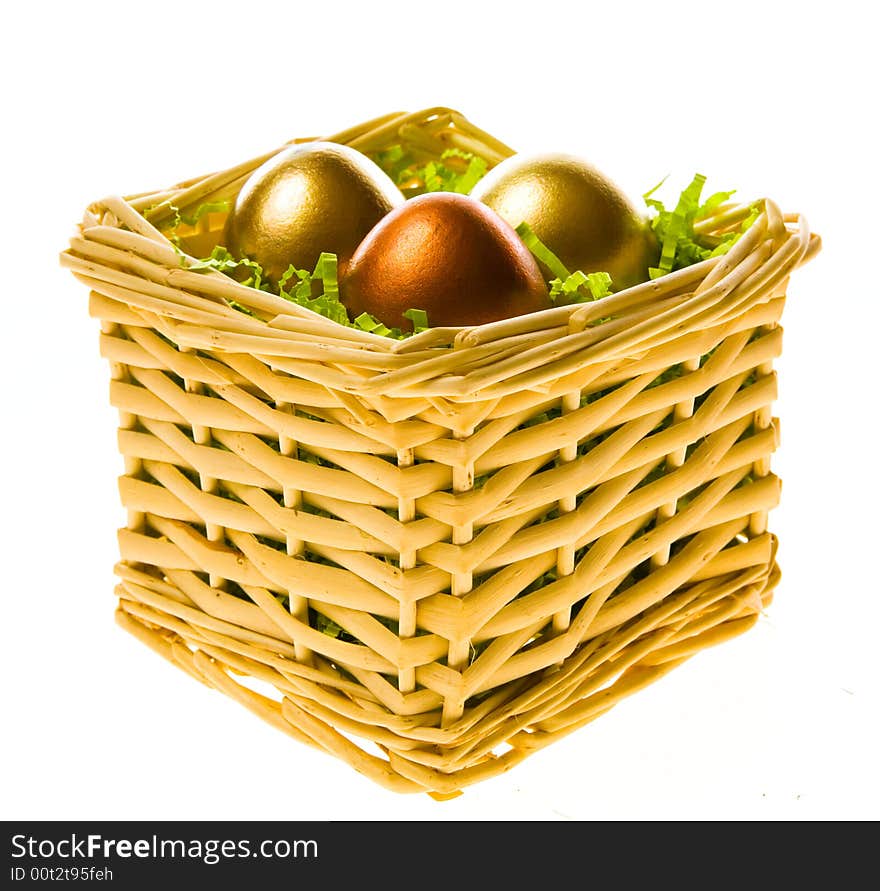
{"type": "Point", "coordinates": [369, 323]}
{"type": "Point", "coordinates": [567, 287]}
{"type": "Point", "coordinates": [317, 291]}
{"type": "Point", "coordinates": [475, 171]}
{"type": "Point", "coordinates": [327, 626]}
{"type": "Point", "coordinates": [599, 284]}
{"type": "Point", "coordinates": [653, 202]}
{"type": "Point", "coordinates": [223, 261]}
{"type": "Point", "coordinates": [178, 218]}
{"type": "Point", "coordinates": [236, 305]}
{"type": "Point", "coordinates": [419, 319]}
{"type": "Point", "coordinates": [541, 251]}
{"type": "Point", "coordinates": [300, 281]}
{"type": "Point", "coordinates": [366, 322]}
{"type": "Point", "coordinates": [680, 244]}
{"type": "Point", "coordinates": [326, 270]}
{"type": "Point", "coordinates": [202, 210]}
{"type": "Point", "coordinates": [433, 176]}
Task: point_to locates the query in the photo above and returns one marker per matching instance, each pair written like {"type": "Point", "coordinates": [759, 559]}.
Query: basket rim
{"type": "Point", "coordinates": [125, 258]}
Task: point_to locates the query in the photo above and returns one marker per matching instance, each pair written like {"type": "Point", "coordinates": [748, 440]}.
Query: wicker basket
{"type": "Point", "coordinates": [431, 557]}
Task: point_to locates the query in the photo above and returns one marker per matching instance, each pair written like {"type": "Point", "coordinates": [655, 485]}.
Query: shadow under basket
{"type": "Point", "coordinates": [431, 557]}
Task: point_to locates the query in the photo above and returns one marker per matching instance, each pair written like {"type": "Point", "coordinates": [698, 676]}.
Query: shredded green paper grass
{"type": "Point", "coordinates": [567, 287]}
{"type": "Point", "coordinates": [456, 171]}
{"type": "Point", "coordinates": [681, 244]}
{"type": "Point", "coordinates": [317, 291]}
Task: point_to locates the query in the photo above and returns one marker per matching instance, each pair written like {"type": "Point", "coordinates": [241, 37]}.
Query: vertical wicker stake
{"type": "Point", "coordinates": [297, 605]}
{"type": "Point", "coordinates": [761, 467]}
{"type": "Point", "coordinates": [202, 436]}
{"type": "Point", "coordinates": [764, 415]}
{"type": "Point", "coordinates": [565, 554]}
{"type": "Point", "coordinates": [462, 583]}
{"type": "Point", "coordinates": [406, 513]}
{"type": "Point", "coordinates": [135, 520]}
{"type": "Point", "coordinates": [681, 412]}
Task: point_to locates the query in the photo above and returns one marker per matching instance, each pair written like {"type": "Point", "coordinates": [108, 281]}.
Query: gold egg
{"type": "Point", "coordinates": [449, 255]}
{"type": "Point", "coordinates": [576, 211]}
{"type": "Point", "coordinates": [307, 199]}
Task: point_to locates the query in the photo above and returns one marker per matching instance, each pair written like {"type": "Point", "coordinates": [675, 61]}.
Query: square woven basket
{"type": "Point", "coordinates": [431, 557]}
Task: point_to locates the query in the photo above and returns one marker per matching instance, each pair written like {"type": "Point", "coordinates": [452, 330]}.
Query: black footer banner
{"type": "Point", "coordinates": [128, 854]}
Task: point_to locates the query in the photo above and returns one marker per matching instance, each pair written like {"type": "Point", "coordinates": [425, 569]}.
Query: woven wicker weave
{"type": "Point", "coordinates": [431, 557]}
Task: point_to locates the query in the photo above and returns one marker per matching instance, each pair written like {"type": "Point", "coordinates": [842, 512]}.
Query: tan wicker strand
{"type": "Point", "coordinates": [430, 558]}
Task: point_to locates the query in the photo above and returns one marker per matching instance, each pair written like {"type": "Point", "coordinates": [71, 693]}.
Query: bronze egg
{"type": "Point", "coordinates": [449, 255]}
{"type": "Point", "coordinates": [309, 198]}
{"type": "Point", "coordinates": [576, 211]}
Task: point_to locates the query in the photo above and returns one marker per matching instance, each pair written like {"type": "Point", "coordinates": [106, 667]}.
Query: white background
{"type": "Point", "coordinates": [774, 99]}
